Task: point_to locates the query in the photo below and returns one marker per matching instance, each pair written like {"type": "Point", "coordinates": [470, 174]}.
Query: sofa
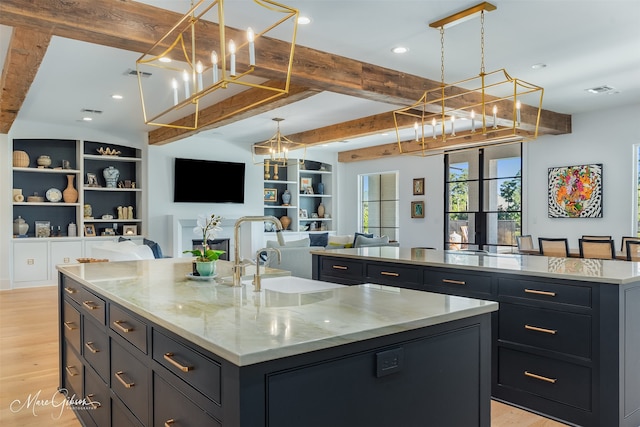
{"type": "Point", "coordinates": [296, 255]}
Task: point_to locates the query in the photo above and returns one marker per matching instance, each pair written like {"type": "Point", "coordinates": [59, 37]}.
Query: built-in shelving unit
{"type": "Point", "coordinates": [310, 184]}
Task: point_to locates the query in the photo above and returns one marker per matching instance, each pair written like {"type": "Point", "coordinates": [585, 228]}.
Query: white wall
{"type": "Point", "coordinates": [414, 232]}
{"type": "Point", "coordinates": [606, 137]}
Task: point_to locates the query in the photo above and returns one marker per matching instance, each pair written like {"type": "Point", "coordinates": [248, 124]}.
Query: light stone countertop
{"type": "Point", "coordinates": [247, 327]}
{"type": "Point", "coordinates": [591, 270]}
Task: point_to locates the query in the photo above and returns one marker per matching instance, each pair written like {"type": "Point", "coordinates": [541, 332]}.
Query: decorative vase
{"type": "Point", "coordinates": [20, 226]}
{"type": "Point", "coordinates": [111, 176]}
{"type": "Point", "coordinates": [320, 188]}
{"type": "Point", "coordinates": [285, 221]}
{"type": "Point", "coordinates": [320, 210]}
{"type": "Point", "coordinates": [206, 268]}
{"type": "Point", "coordinates": [20, 159]}
{"type": "Point", "coordinates": [70, 194]}
{"type": "Point", "coordinates": [286, 197]}
{"type": "Point", "coordinates": [44, 161]}
{"type": "Point", "coordinates": [88, 212]}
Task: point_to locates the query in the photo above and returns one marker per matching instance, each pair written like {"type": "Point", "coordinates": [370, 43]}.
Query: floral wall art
{"type": "Point", "coordinates": [575, 191]}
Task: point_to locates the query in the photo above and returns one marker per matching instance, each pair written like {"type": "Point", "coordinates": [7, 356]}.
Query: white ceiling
{"type": "Point", "coordinates": [584, 43]}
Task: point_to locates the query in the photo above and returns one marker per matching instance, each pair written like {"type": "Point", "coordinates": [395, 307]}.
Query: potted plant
{"type": "Point", "coordinates": [206, 258]}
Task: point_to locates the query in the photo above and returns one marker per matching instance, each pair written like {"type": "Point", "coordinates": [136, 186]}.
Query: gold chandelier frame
{"type": "Point", "coordinates": [275, 151]}
{"type": "Point", "coordinates": [192, 43]}
{"type": "Point", "coordinates": [476, 100]}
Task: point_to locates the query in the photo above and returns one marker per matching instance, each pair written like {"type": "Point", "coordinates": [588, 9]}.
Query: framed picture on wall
{"type": "Point", "coordinates": [89, 230]}
{"type": "Point", "coordinates": [418, 186]}
{"type": "Point", "coordinates": [575, 191]}
{"type": "Point", "coordinates": [129, 230]}
{"type": "Point", "coordinates": [417, 209]}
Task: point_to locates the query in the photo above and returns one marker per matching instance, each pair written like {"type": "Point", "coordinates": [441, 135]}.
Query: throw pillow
{"type": "Point", "coordinates": [342, 241]}
{"type": "Point", "coordinates": [155, 248]}
{"type": "Point", "coordinates": [122, 239]}
{"type": "Point", "coordinates": [362, 241]}
{"type": "Point", "coordinates": [319, 239]}
{"type": "Point", "coordinates": [355, 237]}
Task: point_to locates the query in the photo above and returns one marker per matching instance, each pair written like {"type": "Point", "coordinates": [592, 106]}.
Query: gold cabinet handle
{"type": "Point", "coordinates": [70, 326]}
{"type": "Point", "coordinates": [118, 324]}
{"type": "Point", "coordinates": [169, 357]}
{"type": "Point", "coordinates": [124, 383]}
{"type": "Point", "coordinates": [340, 267]}
{"type": "Point", "coordinates": [91, 347]}
{"type": "Point", "coordinates": [169, 422]}
{"type": "Point", "coordinates": [545, 293]}
{"type": "Point", "coordinates": [454, 282]}
{"type": "Point", "coordinates": [90, 305]}
{"type": "Point", "coordinates": [389, 273]}
{"type": "Point", "coordinates": [537, 329]}
{"type": "Point", "coordinates": [92, 402]}
{"type": "Point", "coordinates": [69, 368]}
{"type": "Point", "coordinates": [70, 290]}
{"type": "Point", "coordinates": [540, 377]}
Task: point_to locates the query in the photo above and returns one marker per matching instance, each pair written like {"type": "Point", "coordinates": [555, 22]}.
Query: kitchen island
{"type": "Point", "coordinates": [154, 347]}
{"type": "Point", "coordinates": [566, 340]}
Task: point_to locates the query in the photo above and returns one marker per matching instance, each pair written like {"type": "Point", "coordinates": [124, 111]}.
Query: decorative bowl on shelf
{"type": "Point", "coordinates": [108, 151]}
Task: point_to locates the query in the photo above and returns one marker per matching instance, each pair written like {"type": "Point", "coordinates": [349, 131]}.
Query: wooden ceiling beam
{"type": "Point", "coordinates": [24, 55]}
{"type": "Point", "coordinates": [136, 27]}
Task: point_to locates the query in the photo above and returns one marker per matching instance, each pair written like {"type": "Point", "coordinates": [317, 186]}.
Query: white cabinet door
{"type": "Point", "coordinates": [30, 261]}
{"type": "Point", "coordinates": [64, 253]}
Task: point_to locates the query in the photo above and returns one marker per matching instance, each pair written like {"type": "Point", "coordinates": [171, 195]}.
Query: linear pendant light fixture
{"type": "Point", "coordinates": [487, 109]}
{"type": "Point", "coordinates": [202, 54]}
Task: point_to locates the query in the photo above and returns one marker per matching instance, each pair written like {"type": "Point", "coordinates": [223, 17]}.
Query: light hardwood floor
{"type": "Point", "coordinates": [29, 366]}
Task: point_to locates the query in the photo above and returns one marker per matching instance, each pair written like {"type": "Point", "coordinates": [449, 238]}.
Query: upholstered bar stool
{"type": "Point", "coordinates": [557, 247]}
{"type": "Point", "coordinates": [525, 243]}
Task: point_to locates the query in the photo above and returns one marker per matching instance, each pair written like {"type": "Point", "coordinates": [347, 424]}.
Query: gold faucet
{"type": "Point", "coordinates": [238, 264]}
{"type": "Point", "coordinates": [256, 277]}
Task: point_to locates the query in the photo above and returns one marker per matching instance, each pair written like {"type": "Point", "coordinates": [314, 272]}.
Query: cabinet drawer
{"type": "Point", "coordinates": [342, 267]}
{"type": "Point", "coordinates": [456, 282]}
{"type": "Point", "coordinates": [130, 381]}
{"type": "Point", "coordinates": [548, 329]}
{"type": "Point", "coordinates": [197, 370]}
{"type": "Point", "coordinates": [98, 398]}
{"type": "Point", "coordinates": [392, 274]}
{"type": "Point", "coordinates": [549, 292]}
{"type": "Point", "coordinates": [171, 406]}
{"type": "Point", "coordinates": [96, 347]}
{"type": "Point", "coordinates": [71, 325]}
{"type": "Point", "coordinates": [73, 372]}
{"type": "Point", "coordinates": [129, 327]}
{"type": "Point", "coordinates": [549, 378]}
{"type": "Point", "coordinates": [93, 305]}
{"type": "Point", "coordinates": [121, 416]}
{"type": "Point", "coordinates": [72, 289]}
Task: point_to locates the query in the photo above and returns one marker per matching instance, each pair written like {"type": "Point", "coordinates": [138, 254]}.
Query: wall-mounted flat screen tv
{"type": "Point", "coordinates": [208, 181]}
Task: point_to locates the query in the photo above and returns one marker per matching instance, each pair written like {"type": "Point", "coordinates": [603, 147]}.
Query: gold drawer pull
{"type": "Point", "coordinates": [70, 290]}
{"type": "Point", "coordinates": [540, 377]}
{"type": "Point", "coordinates": [90, 305]}
{"type": "Point", "coordinates": [454, 282]}
{"type": "Point", "coordinates": [546, 331]}
{"type": "Point", "coordinates": [340, 267]}
{"type": "Point", "coordinates": [169, 422]}
{"type": "Point", "coordinates": [389, 273]}
{"type": "Point", "coordinates": [119, 323]}
{"type": "Point", "coordinates": [92, 402]}
{"type": "Point", "coordinates": [124, 383]}
{"type": "Point", "coordinates": [69, 326]}
{"type": "Point", "coordinates": [91, 348]}
{"type": "Point", "coordinates": [545, 293]}
{"type": "Point", "coordinates": [169, 357]}
{"type": "Point", "coordinates": [69, 368]}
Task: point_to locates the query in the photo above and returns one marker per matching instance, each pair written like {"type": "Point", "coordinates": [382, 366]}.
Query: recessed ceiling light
{"type": "Point", "coordinates": [538, 66]}
{"type": "Point", "coordinates": [600, 89]}
{"type": "Point", "coordinates": [87, 119]}
{"type": "Point", "coordinates": [116, 96]}
{"type": "Point", "coordinates": [304, 20]}
{"type": "Point", "coordinates": [164, 59]}
{"type": "Point", "coordinates": [400, 49]}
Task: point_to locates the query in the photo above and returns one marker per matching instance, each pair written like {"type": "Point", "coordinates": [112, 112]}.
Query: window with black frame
{"type": "Point", "coordinates": [378, 199]}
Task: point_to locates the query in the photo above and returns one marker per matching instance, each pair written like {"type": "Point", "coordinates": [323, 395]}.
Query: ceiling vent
{"type": "Point", "coordinates": [600, 89]}
{"type": "Point", "coordinates": [90, 111]}
{"type": "Point", "coordinates": [134, 73]}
